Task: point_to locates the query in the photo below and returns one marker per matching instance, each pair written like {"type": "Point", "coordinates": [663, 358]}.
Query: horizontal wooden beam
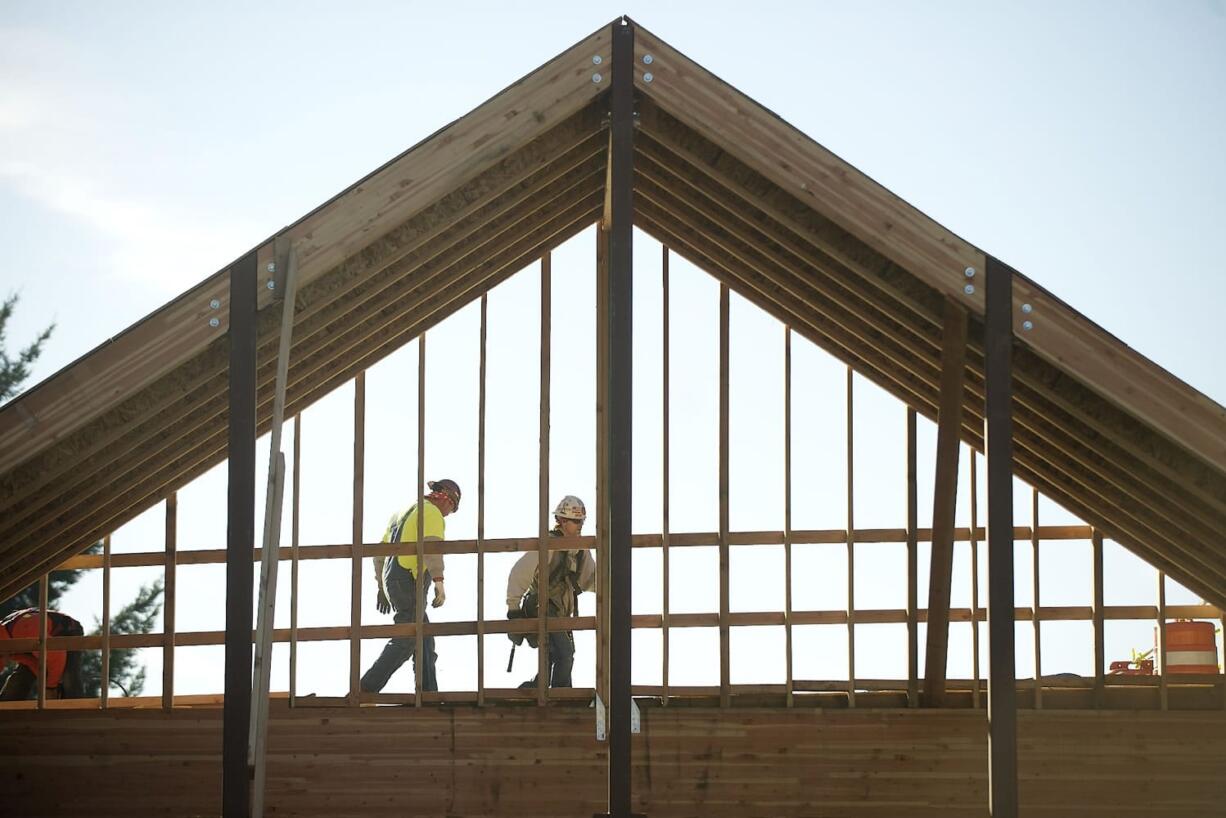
{"type": "Point", "coordinates": [739, 619]}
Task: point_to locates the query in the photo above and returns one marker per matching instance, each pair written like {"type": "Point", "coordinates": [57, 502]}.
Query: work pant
{"type": "Point", "coordinates": [561, 660]}
{"type": "Point", "coordinates": [402, 593]}
{"type": "Point", "coordinates": [20, 682]}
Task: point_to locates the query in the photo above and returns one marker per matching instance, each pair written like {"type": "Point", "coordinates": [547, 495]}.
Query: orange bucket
{"type": "Point", "coordinates": [1190, 647]}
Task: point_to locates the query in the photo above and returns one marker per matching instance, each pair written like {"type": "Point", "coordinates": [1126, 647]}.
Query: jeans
{"type": "Point", "coordinates": [561, 660]}
{"type": "Point", "coordinates": [20, 682]}
{"type": "Point", "coordinates": [72, 686]}
{"type": "Point", "coordinates": [402, 593]}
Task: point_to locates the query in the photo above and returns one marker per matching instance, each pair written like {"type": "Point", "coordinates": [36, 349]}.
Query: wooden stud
{"type": "Point", "coordinates": [664, 482]}
{"type": "Point", "coordinates": [787, 512]}
{"type": "Point", "coordinates": [355, 560]}
{"type": "Point", "coordinates": [602, 464]}
{"type": "Point", "coordinates": [419, 613]}
{"type": "Point", "coordinates": [1100, 650]}
{"type": "Point", "coordinates": [851, 544]}
{"type": "Point", "coordinates": [974, 543]}
{"type": "Point", "coordinates": [43, 622]}
{"type": "Point", "coordinates": [168, 608]}
{"type": "Point", "coordinates": [481, 504]}
{"type": "Point", "coordinates": [913, 694]}
{"type": "Point", "coordinates": [1036, 619]}
{"type": "Point", "coordinates": [104, 680]}
{"type": "Point", "coordinates": [725, 663]}
{"type": "Point", "coordinates": [293, 574]}
{"type": "Point", "coordinates": [542, 553]}
{"type": "Point", "coordinates": [945, 500]}
{"type": "Point", "coordinates": [1163, 698]}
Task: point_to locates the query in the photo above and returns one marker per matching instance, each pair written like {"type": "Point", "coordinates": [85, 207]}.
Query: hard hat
{"type": "Point", "coordinates": [450, 487]}
{"type": "Point", "coordinates": [571, 507]}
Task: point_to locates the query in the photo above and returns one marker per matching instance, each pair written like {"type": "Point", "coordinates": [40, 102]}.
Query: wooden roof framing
{"type": "Point", "coordinates": [719, 179]}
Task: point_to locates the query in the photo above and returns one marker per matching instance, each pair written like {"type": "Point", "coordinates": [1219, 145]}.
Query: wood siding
{"type": "Point", "coordinates": [688, 761]}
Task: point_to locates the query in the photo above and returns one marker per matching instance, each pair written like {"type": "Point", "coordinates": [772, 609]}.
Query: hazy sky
{"type": "Point", "coordinates": [145, 145]}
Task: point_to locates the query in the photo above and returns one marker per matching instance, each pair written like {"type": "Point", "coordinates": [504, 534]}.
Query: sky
{"type": "Point", "coordinates": [143, 146]}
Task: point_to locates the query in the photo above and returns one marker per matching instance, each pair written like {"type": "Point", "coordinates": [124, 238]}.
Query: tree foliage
{"type": "Point", "coordinates": [138, 616]}
{"type": "Point", "coordinates": [15, 370]}
{"type": "Point", "coordinates": [126, 672]}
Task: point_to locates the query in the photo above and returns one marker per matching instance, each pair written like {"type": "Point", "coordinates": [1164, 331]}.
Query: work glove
{"type": "Point", "coordinates": [440, 596]}
{"type": "Point", "coordinates": [516, 638]}
{"type": "Point", "coordinates": [381, 603]}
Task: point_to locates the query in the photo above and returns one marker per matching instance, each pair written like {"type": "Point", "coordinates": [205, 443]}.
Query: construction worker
{"type": "Point", "coordinates": [63, 667]}
{"type": "Point", "coordinates": [397, 584]}
{"type": "Point", "coordinates": [570, 574]}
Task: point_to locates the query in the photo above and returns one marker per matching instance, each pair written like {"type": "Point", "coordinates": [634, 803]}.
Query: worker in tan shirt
{"type": "Point", "coordinates": [571, 572]}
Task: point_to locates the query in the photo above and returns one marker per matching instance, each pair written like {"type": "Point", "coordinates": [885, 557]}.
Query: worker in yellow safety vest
{"type": "Point", "coordinates": [397, 583]}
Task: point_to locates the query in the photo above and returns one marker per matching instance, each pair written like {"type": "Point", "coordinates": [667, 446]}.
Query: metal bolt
{"type": "Point", "coordinates": [970, 272]}
{"type": "Point", "coordinates": [215, 304]}
{"type": "Point", "coordinates": [1026, 308]}
{"type": "Point", "coordinates": [596, 78]}
{"type": "Point", "coordinates": [597, 60]}
{"type": "Point", "coordinates": [214, 323]}
{"type": "Point", "coordinates": [969, 289]}
{"type": "Point", "coordinates": [272, 285]}
{"type": "Point", "coordinates": [272, 267]}
{"type": "Point", "coordinates": [648, 77]}
{"type": "Point", "coordinates": [1027, 325]}
{"type": "Point", "coordinates": [648, 59]}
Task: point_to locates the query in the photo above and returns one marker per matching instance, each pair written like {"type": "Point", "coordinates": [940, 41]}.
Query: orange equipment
{"type": "Point", "coordinates": [1191, 647]}
{"type": "Point", "coordinates": [1141, 664]}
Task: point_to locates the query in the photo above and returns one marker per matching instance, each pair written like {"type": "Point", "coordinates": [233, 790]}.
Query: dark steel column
{"type": "Point", "coordinates": [240, 539]}
{"type": "Point", "coordinates": [998, 447]}
{"type": "Point", "coordinates": [621, 268]}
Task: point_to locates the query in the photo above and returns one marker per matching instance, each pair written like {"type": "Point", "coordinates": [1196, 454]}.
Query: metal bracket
{"type": "Point", "coordinates": [636, 719]}
{"type": "Point", "coordinates": [280, 267]}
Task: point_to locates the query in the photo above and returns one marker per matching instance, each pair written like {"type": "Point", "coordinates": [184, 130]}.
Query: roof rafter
{"type": "Point", "coordinates": [756, 203]}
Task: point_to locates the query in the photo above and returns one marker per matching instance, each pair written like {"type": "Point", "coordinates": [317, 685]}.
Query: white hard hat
{"type": "Point", "coordinates": [571, 507]}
